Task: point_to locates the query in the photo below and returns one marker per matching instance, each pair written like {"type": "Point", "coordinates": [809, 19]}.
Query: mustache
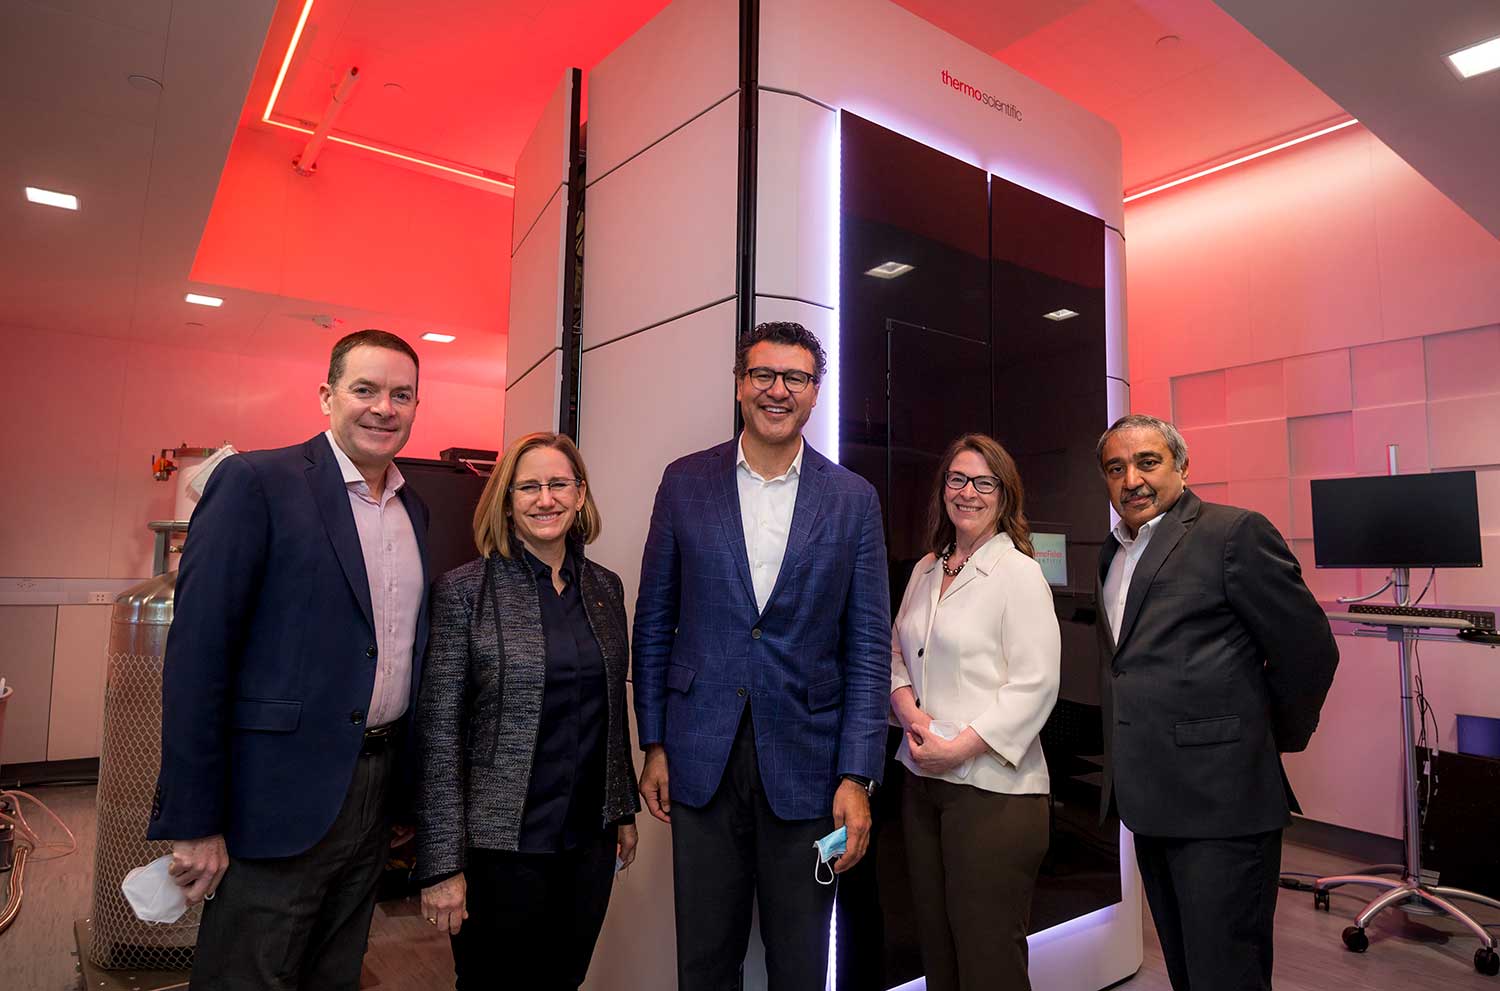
{"type": "Point", "coordinates": [1140, 490]}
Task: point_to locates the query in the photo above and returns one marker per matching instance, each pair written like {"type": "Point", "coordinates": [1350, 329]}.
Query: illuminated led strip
{"type": "Point", "coordinates": [835, 221]}
{"type": "Point", "coordinates": [286, 64]}
{"type": "Point", "coordinates": [1242, 159]}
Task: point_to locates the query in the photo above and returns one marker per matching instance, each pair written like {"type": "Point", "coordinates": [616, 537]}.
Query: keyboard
{"type": "Point", "coordinates": [1479, 619]}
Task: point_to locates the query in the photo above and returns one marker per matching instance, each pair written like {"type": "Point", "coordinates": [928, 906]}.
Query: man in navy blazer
{"type": "Point", "coordinates": [762, 673]}
{"type": "Point", "coordinates": [294, 654]}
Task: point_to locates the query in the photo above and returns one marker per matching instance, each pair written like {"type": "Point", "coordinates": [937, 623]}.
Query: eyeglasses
{"type": "Point", "coordinates": [763, 378]}
{"type": "Point", "coordinates": [983, 484]}
{"type": "Point", "coordinates": [557, 486]}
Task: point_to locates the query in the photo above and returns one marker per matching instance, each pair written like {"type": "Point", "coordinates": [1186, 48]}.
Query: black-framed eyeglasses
{"type": "Point", "coordinates": [533, 489]}
{"type": "Point", "coordinates": [983, 484]}
{"type": "Point", "coordinates": [795, 378]}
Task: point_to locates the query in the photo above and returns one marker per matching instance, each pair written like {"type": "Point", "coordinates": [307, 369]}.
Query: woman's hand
{"type": "Point", "coordinates": [912, 718]}
{"type": "Point", "coordinates": [443, 904]}
{"type": "Point", "coordinates": [936, 756]}
{"type": "Point", "coordinates": [625, 845]}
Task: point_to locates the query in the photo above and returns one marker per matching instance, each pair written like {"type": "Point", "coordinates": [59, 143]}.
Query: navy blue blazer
{"type": "Point", "coordinates": [815, 666]}
{"type": "Point", "coordinates": [270, 661]}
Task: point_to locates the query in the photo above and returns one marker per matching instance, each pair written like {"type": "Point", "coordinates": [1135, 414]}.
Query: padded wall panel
{"type": "Point", "coordinates": [542, 167]}
{"type": "Point", "coordinates": [1322, 445]}
{"type": "Point", "coordinates": [1318, 383]}
{"type": "Point", "coordinates": [76, 727]}
{"type": "Point", "coordinates": [1208, 453]}
{"type": "Point", "coordinates": [821, 430]}
{"type": "Point", "coordinates": [1152, 397]}
{"type": "Point", "coordinates": [1268, 496]}
{"type": "Point", "coordinates": [1199, 400]}
{"type": "Point", "coordinates": [1488, 480]}
{"type": "Point", "coordinates": [1257, 449]}
{"type": "Point", "coordinates": [1254, 392]}
{"type": "Point", "coordinates": [531, 403]}
{"type": "Point", "coordinates": [674, 68]}
{"type": "Point", "coordinates": [536, 290]}
{"type": "Point", "coordinates": [1475, 586]}
{"type": "Point", "coordinates": [1464, 432]}
{"type": "Point", "coordinates": [1326, 584]}
{"type": "Point", "coordinates": [1210, 491]}
{"type": "Point", "coordinates": [796, 215]}
{"type": "Point", "coordinates": [661, 229]}
{"type": "Point", "coordinates": [1375, 429]}
{"type": "Point", "coordinates": [1463, 363]}
{"type": "Point", "coordinates": [1389, 373]}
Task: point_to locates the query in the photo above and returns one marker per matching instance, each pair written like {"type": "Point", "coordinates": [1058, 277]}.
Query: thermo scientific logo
{"type": "Point", "coordinates": [993, 102]}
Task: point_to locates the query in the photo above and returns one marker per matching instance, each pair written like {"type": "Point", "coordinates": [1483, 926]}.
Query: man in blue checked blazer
{"type": "Point", "coordinates": [762, 673]}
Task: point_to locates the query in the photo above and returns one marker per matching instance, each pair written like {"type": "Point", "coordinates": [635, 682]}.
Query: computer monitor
{"type": "Point", "coordinates": [1049, 541]}
{"type": "Point", "coordinates": [1397, 521]}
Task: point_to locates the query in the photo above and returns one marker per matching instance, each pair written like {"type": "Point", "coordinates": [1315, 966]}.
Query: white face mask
{"type": "Point", "coordinates": [154, 895]}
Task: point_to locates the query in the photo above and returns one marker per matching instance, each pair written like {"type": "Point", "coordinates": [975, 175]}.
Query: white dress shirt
{"type": "Point", "coordinates": [393, 566]}
{"type": "Point", "coordinates": [987, 654]}
{"type": "Point", "coordinates": [766, 506]}
{"type": "Point", "coordinates": [1122, 570]}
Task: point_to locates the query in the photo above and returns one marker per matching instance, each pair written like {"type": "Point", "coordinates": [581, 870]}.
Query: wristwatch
{"type": "Point", "coordinates": [867, 784]}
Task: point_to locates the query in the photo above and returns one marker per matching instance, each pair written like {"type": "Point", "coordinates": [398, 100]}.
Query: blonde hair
{"type": "Point", "coordinates": [492, 517]}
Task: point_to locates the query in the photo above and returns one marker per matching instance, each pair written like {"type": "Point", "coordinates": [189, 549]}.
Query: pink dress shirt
{"type": "Point", "coordinates": [393, 564]}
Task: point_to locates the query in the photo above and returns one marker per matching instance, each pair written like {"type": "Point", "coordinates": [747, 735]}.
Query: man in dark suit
{"type": "Point", "coordinates": [762, 673]}
{"type": "Point", "coordinates": [294, 655]}
{"type": "Point", "coordinates": [1217, 660]}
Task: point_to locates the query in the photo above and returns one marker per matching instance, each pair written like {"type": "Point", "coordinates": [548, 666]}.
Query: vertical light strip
{"type": "Point", "coordinates": [835, 227]}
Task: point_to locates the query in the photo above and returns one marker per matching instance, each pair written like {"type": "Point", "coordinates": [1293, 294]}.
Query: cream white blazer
{"type": "Point", "coordinates": [986, 654]}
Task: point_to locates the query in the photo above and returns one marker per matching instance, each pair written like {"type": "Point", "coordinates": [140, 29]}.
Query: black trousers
{"type": "Point", "coordinates": [533, 917]}
{"type": "Point", "coordinates": [302, 923]}
{"type": "Point", "coordinates": [974, 857]}
{"type": "Point", "coordinates": [1214, 904]}
{"type": "Point", "coordinates": [732, 850]}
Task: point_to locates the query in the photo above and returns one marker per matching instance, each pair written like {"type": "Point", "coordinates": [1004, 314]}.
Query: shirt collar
{"type": "Point", "coordinates": [393, 477]}
{"type": "Point", "coordinates": [792, 472]}
{"type": "Point", "coordinates": [540, 569]}
{"type": "Point", "coordinates": [985, 555]}
{"type": "Point", "coordinates": [1124, 537]}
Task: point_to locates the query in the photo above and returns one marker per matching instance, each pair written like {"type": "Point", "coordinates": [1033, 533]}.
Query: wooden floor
{"type": "Point", "coordinates": [38, 952]}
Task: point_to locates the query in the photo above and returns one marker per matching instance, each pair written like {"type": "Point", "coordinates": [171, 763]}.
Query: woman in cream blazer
{"type": "Point", "coordinates": [974, 675]}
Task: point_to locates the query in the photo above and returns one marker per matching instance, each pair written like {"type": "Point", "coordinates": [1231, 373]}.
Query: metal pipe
{"type": "Point", "coordinates": [306, 164]}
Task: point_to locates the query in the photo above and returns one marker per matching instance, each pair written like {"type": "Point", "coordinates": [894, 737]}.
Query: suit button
{"type": "Point", "coordinates": [740, 692]}
{"type": "Point", "coordinates": [371, 651]}
{"type": "Point", "coordinates": [357, 716]}
{"type": "Point", "coordinates": [755, 633]}
{"type": "Point", "coordinates": [921, 651]}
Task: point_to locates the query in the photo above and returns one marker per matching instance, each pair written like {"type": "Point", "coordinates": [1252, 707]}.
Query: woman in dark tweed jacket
{"type": "Point", "coordinates": [527, 794]}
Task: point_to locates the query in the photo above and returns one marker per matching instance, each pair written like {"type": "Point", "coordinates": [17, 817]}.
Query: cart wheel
{"type": "Point", "coordinates": [1487, 961]}
{"type": "Point", "coordinates": [1356, 940]}
{"type": "Point", "coordinates": [1320, 899]}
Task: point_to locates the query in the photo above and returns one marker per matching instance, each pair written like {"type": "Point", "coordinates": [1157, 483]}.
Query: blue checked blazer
{"type": "Point", "coordinates": [814, 667]}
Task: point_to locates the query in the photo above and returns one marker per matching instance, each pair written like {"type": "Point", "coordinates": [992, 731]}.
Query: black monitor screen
{"type": "Point", "coordinates": [1397, 521]}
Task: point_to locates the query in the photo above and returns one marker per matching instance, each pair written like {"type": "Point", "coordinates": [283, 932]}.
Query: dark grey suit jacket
{"type": "Point", "coordinates": [1223, 662]}
{"type": "Point", "coordinates": [481, 707]}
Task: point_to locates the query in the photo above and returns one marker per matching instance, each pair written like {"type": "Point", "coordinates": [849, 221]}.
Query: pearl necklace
{"type": "Point", "coordinates": [951, 573]}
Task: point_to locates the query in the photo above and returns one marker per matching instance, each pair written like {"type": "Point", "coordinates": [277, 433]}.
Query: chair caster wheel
{"type": "Point", "coordinates": [1320, 899]}
{"type": "Point", "coordinates": [1356, 940]}
{"type": "Point", "coordinates": [1487, 961]}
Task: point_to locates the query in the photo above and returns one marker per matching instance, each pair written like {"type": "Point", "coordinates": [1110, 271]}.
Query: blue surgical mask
{"type": "Point", "coordinates": [830, 846]}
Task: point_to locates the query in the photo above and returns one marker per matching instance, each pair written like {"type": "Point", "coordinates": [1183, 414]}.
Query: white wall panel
{"type": "Point", "coordinates": [536, 291]}
{"type": "Point", "coordinates": [822, 427]}
{"type": "Point", "coordinates": [675, 67]}
{"type": "Point", "coordinates": [633, 424]}
{"type": "Point", "coordinates": [661, 230]}
{"type": "Point", "coordinates": [531, 404]}
{"type": "Point", "coordinates": [76, 726]}
{"type": "Point", "coordinates": [885, 64]}
{"type": "Point", "coordinates": [796, 211]}
{"type": "Point", "coordinates": [542, 167]}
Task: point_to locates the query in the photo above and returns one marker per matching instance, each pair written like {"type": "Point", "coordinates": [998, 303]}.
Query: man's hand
{"type": "Point", "coordinates": [625, 845]}
{"type": "Point", "coordinates": [443, 904]}
{"type": "Point", "coordinates": [400, 833]}
{"type": "Point", "coordinates": [851, 809]}
{"type": "Point", "coordinates": [654, 784]}
{"type": "Point", "coordinates": [937, 756]}
{"type": "Point", "coordinates": [198, 866]}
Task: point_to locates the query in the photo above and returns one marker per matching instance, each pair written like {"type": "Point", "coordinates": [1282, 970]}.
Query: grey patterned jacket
{"type": "Point", "coordinates": [481, 703]}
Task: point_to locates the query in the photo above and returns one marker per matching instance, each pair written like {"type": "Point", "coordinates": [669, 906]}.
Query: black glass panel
{"type": "Point", "coordinates": [959, 342]}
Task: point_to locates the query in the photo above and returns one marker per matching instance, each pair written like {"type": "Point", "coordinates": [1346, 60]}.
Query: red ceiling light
{"type": "Point", "coordinates": [451, 168]}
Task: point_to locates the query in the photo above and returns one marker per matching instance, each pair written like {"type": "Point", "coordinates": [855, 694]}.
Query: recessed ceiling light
{"type": "Point", "coordinates": [440, 338]}
{"type": "Point", "coordinates": [889, 270]}
{"type": "Point", "coordinates": [202, 300]}
{"type": "Point", "coordinates": [1469, 62]}
{"type": "Point", "coordinates": [144, 83]}
{"type": "Point", "coordinates": [47, 197]}
{"type": "Point", "coordinates": [1062, 314]}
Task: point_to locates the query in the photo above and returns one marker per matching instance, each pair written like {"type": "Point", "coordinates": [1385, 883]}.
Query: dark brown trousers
{"type": "Point", "coordinates": [974, 857]}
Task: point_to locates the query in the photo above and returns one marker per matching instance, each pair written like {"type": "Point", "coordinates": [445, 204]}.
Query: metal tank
{"type": "Point", "coordinates": [127, 784]}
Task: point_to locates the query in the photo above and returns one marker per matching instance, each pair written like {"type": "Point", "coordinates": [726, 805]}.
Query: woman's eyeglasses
{"type": "Point", "coordinates": [557, 486]}
{"type": "Point", "coordinates": [983, 484]}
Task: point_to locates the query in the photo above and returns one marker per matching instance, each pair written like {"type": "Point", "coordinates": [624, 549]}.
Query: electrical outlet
{"type": "Point", "coordinates": [101, 598]}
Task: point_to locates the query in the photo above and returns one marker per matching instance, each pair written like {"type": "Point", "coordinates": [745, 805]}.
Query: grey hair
{"type": "Point", "coordinates": [1140, 421]}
